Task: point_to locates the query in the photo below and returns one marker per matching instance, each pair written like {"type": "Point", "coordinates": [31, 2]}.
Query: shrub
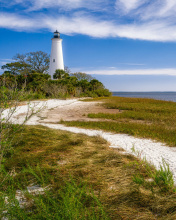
{"type": "Point", "coordinates": [53, 90]}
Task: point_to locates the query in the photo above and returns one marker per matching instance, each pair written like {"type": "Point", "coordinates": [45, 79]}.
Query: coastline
{"type": "Point", "coordinates": [165, 96]}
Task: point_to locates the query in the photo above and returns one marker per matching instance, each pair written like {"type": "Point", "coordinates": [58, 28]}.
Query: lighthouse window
{"type": "Point", "coordinates": [53, 60]}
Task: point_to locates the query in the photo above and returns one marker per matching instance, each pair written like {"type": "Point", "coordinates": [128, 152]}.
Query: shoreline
{"type": "Point", "coordinates": [163, 96]}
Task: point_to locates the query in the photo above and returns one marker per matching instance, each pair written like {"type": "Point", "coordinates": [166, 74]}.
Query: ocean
{"type": "Point", "coordinates": [167, 96]}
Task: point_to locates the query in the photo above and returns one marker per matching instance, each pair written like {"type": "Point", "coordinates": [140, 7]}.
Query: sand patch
{"type": "Point", "coordinates": [75, 112]}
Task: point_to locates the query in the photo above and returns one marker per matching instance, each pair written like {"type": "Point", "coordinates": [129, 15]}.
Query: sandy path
{"type": "Point", "coordinates": [55, 110]}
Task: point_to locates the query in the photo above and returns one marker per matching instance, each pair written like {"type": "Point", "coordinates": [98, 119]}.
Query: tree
{"type": "Point", "coordinates": [16, 68]}
{"type": "Point", "coordinates": [8, 79]}
{"type": "Point", "coordinates": [95, 84]}
{"type": "Point", "coordinates": [28, 63]}
{"type": "Point", "coordinates": [60, 74]}
{"type": "Point", "coordinates": [67, 70]}
{"type": "Point", "coordinates": [36, 81]}
{"type": "Point", "coordinates": [38, 61]}
{"type": "Point", "coordinates": [84, 84]}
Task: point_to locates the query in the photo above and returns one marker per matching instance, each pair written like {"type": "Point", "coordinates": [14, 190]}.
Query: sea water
{"type": "Point", "coordinates": [167, 96]}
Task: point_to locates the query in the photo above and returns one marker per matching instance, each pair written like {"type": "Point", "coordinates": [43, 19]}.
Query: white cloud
{"type": "Point", "coordinates": [153, 20]}
{"type": "Point", "coordinates": [166, 9]}
{"type": "Point", "coordinates": [67, 4]}
{"type": "Point", "coordinates": [128, 5]}
{"type": "Point", "coordinates": [17, 22]}
{"type": "Point", "coordinates": [91, 26]}
{"type": "Point", "coordinates": [35, 5]}
{"type": "Point", "coordinates": [171, 72]}
{"type": "Point", "coordinates": [81, 25]}
{"type": "Point", "coordinates": [158, 9]}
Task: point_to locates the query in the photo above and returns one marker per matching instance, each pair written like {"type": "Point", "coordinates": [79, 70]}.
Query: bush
{"type": "Point", "coordinates": [103, 92]}
{"type": "Point", "coordinates": [53, 90]}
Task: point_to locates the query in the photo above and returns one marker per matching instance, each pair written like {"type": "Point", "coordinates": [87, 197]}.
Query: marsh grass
{"type": "Point", "coordinates": [145, 118]}
{"type": "Point", "coordinates": [83, 179]}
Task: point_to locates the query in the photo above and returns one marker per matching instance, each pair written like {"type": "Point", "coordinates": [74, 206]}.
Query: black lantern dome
{"type": "Point", "coordinates": [56, 34]}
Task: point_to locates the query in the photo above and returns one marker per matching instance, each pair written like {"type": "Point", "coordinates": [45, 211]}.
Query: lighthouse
{"type": "Point", "coordinates": [56, 57]}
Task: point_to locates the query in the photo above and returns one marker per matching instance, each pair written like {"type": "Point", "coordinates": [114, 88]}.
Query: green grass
{"type": "Point", "coordinates": [83, 179]}
{"type": "Point", "coordinates": [69, 201]}
{"type": "Point", "coordinates": [146, 118]}
{"type": "Point", "coordinates": [35, 161]}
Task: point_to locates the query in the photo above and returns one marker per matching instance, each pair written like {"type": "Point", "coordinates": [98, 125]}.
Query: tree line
{"type": "Point", "coordinates": [29, 72]}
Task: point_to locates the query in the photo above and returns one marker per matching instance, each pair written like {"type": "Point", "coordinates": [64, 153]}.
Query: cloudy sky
{"type": "Point", "coordinates": [130, 45]}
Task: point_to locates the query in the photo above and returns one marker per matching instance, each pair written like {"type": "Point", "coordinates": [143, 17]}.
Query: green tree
{"type": "Point", "coordinates": [36, 81]}
{"type": "Point", "coordinates": [95, 84]}
{"type": "Point", "coordinates": [60, 74]}
{"type": "Point", "coordinates": [16, 68]}
{"type": "Point", "coordinates": [84, 84]}
{"type": "Point", "coordinates": [38, 61]}
{"type": "Point", "coordinates": [8, 79]}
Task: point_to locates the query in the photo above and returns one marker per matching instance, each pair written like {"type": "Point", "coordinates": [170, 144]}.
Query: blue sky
{"type": "Point", "coordinates": [130, 45]}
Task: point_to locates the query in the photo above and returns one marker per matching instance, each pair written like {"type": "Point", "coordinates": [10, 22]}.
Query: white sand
{"type": "Point", "coordinates": [147, 149]}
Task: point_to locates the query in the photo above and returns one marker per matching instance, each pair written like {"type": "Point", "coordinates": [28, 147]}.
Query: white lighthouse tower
{"type": "Point", "coordinates": [56, 57]}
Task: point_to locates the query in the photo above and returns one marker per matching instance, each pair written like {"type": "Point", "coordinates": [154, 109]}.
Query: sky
{"type": "Point", "coordinates": [129, 45]}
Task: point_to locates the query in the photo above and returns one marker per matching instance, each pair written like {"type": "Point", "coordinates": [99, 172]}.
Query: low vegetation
{"type": "Point", "coordinates": [29, 74]}
{"type": "Point", "coordinates": [81, 178]}
{"type": "Point", "coordinates": [146, 118]}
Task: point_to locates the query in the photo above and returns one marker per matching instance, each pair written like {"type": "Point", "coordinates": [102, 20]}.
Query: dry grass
{"type": "Point", "coordinates": [89, 159]}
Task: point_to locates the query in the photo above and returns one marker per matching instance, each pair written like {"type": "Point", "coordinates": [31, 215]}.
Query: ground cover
{"type": "Point", "coordinates": [83, 179]}
{"type": "Point", "coordinates": [146, 118]}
